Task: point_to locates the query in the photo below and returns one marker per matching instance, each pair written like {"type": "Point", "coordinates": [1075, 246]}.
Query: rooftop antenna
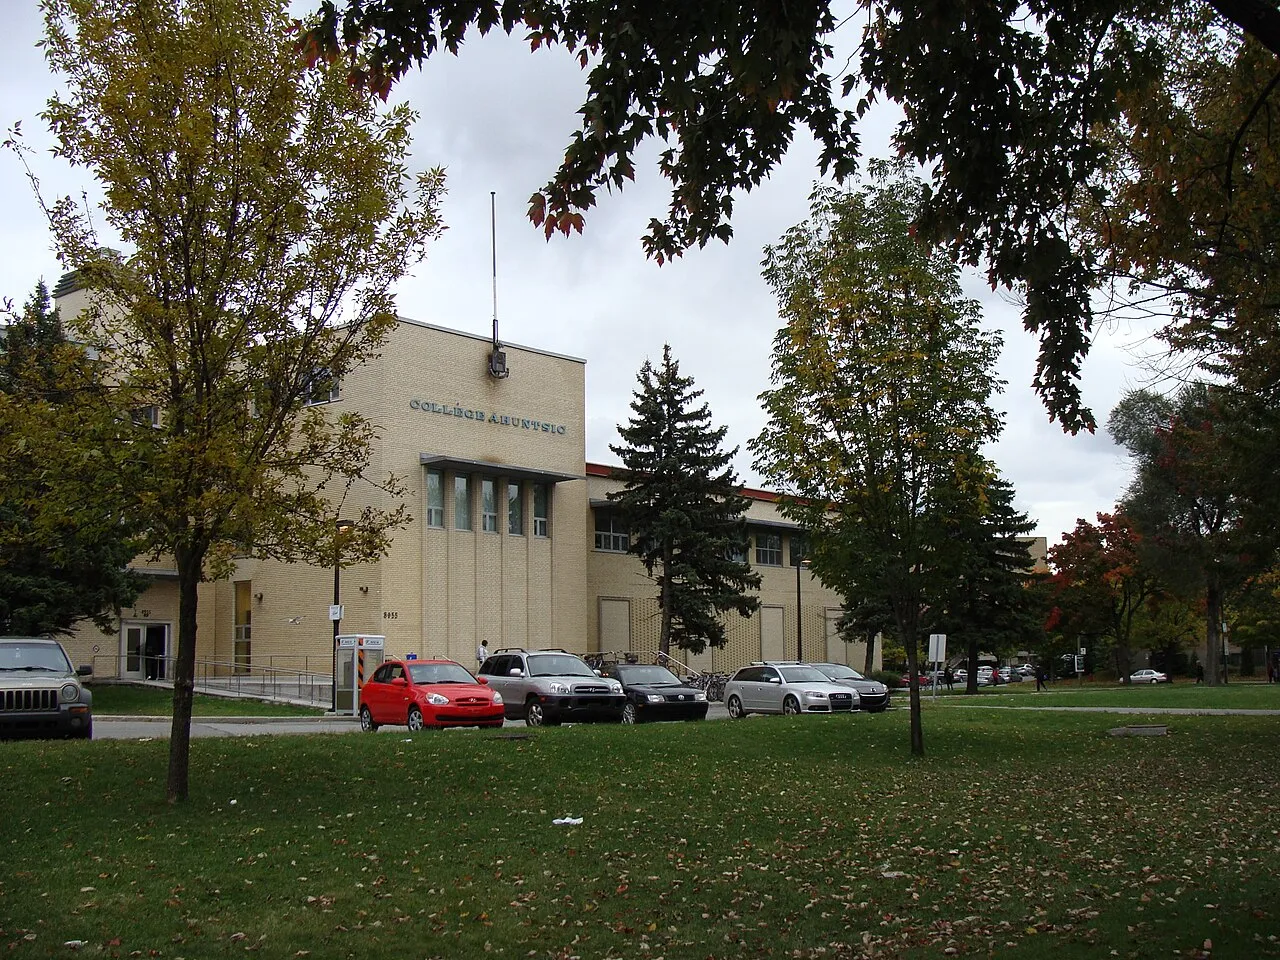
{"type": "Point", "coordinates": [498, 357]}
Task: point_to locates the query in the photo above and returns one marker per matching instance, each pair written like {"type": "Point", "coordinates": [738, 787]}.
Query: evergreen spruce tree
{"type": "Point", "coordinates": [990, 608]}
{"type": "Point", "coordinates": [682, 507]}
{"type": "Point", "coordinates": [66, 531]}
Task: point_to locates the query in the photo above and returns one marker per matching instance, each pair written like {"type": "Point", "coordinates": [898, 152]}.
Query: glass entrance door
{"type": "Point", "coordinates": [145, 651]}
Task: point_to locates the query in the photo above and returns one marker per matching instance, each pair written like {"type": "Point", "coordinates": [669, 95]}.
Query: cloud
{"type": "Point", "coordinates": [499, 118]}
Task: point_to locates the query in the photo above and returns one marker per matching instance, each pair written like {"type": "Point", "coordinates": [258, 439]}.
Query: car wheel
{"type": "Point", "coordinates": [735, 708]}
{"type": "Point", "coordinates": [415, 718]}
{"type": "Point", "coordinates": [1154, 681]}
{"type": "Point", "coordinates": [533, 715]}
{"type": "Point", "coordinates": [629, 713]}
{"type": "Point", "coordinates": [366, 721]}
{"type": "Point", "coordinates": [790, 707]}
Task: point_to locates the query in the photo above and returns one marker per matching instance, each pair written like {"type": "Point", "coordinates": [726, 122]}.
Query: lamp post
{"type": "Point", "coordinates": [340, 527]}
{"type": "Point", "coordinates": [1224, 651]}
{"type": "Point", "coordinates": [799, 618]}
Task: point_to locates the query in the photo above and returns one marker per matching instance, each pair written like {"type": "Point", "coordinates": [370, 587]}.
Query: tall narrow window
{"type": "Point", "coordinates": [515, 509]}
{"type": "Point", "coordinates": [435, 498]}
{"type": "Point", "coordinates": [541, 510]}
{"type": "Point", "coordinates": [242, 652]}
{"type": "Point", "coordinates": [799, 549]}
{"type": "Point", "coordinates": [461, 503]}
{"type": "Point", "coordinates": [489, 505]}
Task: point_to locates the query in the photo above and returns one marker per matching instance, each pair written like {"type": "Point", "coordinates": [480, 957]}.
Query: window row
{"type": "Point", "coordinates": [613, 536]}
{"type": "Point", "coordinates": [491, 489]}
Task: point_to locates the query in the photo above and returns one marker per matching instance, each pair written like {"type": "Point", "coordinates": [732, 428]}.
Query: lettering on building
{"type": "Point", "coordinates": [513, 420]}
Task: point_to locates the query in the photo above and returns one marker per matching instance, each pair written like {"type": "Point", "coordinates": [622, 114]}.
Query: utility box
{"type": "Point", "coordinates": [358, 656]}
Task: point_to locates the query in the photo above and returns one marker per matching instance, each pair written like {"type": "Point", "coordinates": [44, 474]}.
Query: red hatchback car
{"type": "Point", "coordinates": [427, 693]}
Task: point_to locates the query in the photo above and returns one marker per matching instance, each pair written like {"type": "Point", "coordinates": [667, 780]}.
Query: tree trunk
{"type": "Point", "coordinates": [664, 637]}
{"type": "Point", "coordinates": [190, 571]}
{"type": "Point", "coordinates": [971, 674]}
{"type": "Point", "coordinates": [1213, 647]}
{"type": "Point", "coordinates": [907, 624]}
{"type": "Point", "coordinates": [869, 662]}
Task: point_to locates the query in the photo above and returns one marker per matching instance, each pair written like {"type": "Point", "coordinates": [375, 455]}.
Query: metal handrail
{"type": "Point", "coordinates": [224, 677]}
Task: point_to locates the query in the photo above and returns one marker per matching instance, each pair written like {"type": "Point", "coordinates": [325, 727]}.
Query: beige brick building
{"type": "Point", "coordinates": [511, 538]}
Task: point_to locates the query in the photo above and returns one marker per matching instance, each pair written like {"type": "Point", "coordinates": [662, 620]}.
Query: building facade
{"type": "Point", "coordinates": [512, 538]}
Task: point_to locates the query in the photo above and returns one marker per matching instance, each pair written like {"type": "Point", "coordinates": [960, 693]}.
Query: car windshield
{"type": "Point", "coordinates": [803, 675]}
{"type": "Point", "coordinates": [631, 673]}
{"type": "Point", "coordinates": [558, 665]}
{"type": "Point", "coordinates": [34, 657]}
{"type": "Point", "coordinates": [838, 671]}
{"type": "Point", "coordinates": [439, 673]}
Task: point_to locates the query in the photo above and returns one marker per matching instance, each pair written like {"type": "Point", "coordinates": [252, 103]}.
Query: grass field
{"type": "Point", "coordinates": [1066, 693]}
{"type": "Point", "coordinates": [121, 700]}
{"type": "Point", "coordinates": [1021, 834]}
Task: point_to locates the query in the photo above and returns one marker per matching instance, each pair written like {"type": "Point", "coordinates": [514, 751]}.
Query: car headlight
{"type": "Point", "coordinates": [654, 698]}
{"type": "Point", "coordinates": [437, 699]}
{"type": "Point", "coordinates": [814, 695]}
{"type": "Point", "coordinates": [557, 687]}
{"type": "Point", "coordinates": [699, 696]}
{"type": "Point", "coordinates": [70, 693]}
{"type": "Point", "coordinates": [616, 687]}
{"type": "Point", "coordinates": [497, 697]}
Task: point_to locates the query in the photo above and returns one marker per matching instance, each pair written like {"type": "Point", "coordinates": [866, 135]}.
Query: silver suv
{"type": "Point", "coordinates": [551, 687]}
{"type": "Point", "coordinates": [790, 688]}
{"type": "Point", "coordinates": [40, 692]}
{"type": "Point", "coordinates": [873, 696]}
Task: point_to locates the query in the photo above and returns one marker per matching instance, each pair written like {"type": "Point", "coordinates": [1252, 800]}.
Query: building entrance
{"type": "Point", "coordinates": [144, 651]}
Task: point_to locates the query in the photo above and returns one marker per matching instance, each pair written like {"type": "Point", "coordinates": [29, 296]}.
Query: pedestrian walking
{"type": "Point", "coordinates": [482, 653]}
{"type": "Point", "coordinates": [949, 678]}
{"type": "Point", "coordinates": [1040, 679]}
{"type": "Point", "coordinates": [1199, 673]}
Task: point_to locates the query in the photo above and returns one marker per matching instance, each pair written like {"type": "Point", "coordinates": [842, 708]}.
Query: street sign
{"type": "Point", "coordinates": [937, 647]}
{"type": "Point", "coordinates": [345, 642]}
{"type": "Point", "coordinates": [1079, 664]}
{"type": "Point", "coordinates": [335, 611]}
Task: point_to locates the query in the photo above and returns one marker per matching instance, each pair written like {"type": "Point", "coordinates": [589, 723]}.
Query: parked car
{"type": "Point", "coordinates": [1148, 676]}
{"type": "Point", "coordinates": [655, 693]}
{"type": "Point", "coordinates": [873, 696]}
{"type": "Point", "coordinates": [1026, 669]}
{"type": "Point", "coordinates": [551, 687]}
{"type": "Point", "coordinates": [987, 676]}
{"type": "Point", "coordinates": [961, 675]}
{"type": "Point", "coordinates": [427, 693]}
{"type": "Point", "coordinates": [41, 692]}
{"type": "Point", "coordinates": [1009, 675]}
{"type": "Point", "coordinates": [788, 688]}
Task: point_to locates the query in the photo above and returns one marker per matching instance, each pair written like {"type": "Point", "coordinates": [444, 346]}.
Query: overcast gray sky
{"type": "Point", "coordinates": [498, 118]}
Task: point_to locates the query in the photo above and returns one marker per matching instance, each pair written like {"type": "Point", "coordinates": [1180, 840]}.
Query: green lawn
{"type": "Point", "coordinates": [1024, 834]}
{"type": "Point", "coordinates": [1068, 693]}
{"type": "Point", "coordinates": [130, 700]}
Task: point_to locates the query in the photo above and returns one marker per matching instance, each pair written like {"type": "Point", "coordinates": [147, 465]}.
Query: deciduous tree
{"type": "Point", "coordinates": [880, 399]}
{"type": "Point", "coordinates": [1187, 499]}
{"type": "Point", "coordinates": [1100, 586]}
{"type": "Point", "coordinates": [683, 509]}
{"type": "Point", "coordinates": [268, 212]}
{"type": "Point", "coordinates": [726, 85]}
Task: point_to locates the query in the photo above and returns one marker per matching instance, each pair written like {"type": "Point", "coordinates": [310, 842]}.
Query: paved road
{"type": "Point", "coordinates": [139, 728]}
{"type": "Point", "coordinates": [157, 728]}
